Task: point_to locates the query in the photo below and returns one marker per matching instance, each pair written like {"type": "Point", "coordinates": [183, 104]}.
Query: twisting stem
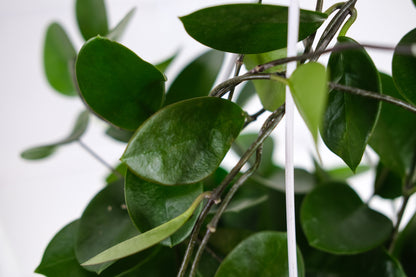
{"type": "Point", "coordinates": [238, 64]}
{"type": "Point", "coordinates": [254, 117]}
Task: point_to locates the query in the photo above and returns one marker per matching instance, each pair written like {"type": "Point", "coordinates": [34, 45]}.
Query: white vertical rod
{"type": "Point", "coordinates": [292, 39]}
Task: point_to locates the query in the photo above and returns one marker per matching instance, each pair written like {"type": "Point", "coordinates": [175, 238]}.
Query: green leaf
{"type": "Point", "coordinates": [349, 119]}
{"type": "Point", "coordinates": [91, 18]}
{"type": "Point", "coordinates": [405, 249]}
{"type": "Point", "coordinates": [58, 57]}
{"type": "Point", "coordinates": [395, 125]}
{"type": "Point", "coordinates": [262, 254]}
{"type": "Point", "coordinates": [151, 205]}
{"type": "Point", "coordinates": [387, 183]}
{"type": "Point", "coordinates": [104, 223]}
{"type": "Point", "coordinates": [121, 168]}
{"type": "Point", "coordinates": [404, 69]}
{"type": "Point", "coordinates": [335, 220]}
{"type": "Point", "coordinates": [59, 258]}
{"type": "Point", "coordinates": [162, 66]}
{"type": "Point", "coordinates": [343, 173]}
{"type": "Point", "coordinates": [224, 240]}
{"type": "Point", "coordinates": [118, 31]}
{"type": "Point", "coordinates": [197, 78]}
{"type": "Point", "coordinates": [271, 93]}
{"type": "Point", "coordinates": [118, 85]}
{"type": "Point", "coordinates": [145, 240]}
{"type": "Point", "coordinates": [119, 134]}
{"type": "Point", "coordinates": [247, 28]}
{"type": "Point", "coordinates": [184, 142]}
{"type": "Point", "coordinates": [309, 91]}
{"type": "Point", "coordinates": [44, 151]}
{"type": "Point", "coordinates": [246, 93]}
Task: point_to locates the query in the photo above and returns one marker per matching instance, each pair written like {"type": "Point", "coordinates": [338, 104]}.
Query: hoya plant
{"type": "Point", "coordinates": [171, 207]}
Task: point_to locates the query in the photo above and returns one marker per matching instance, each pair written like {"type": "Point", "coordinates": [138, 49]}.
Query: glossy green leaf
{"type": "Point", "coordinates": [59, 258]}
{"type": "Point", "coordinates": [184, 142]}
{"type": "Point", "coordinates": [44, 151]}
{"type": "Point", "coordinates": [397, 126]}
{"type": "Point", "coordinates": [117, 85]}
{"type": "Point", "coordinates": [247, 28]}
{"type": "Point", "coordinates": [334, 219]}
{"type": "Point", "coordinates": [104, 223]}
{"type": "Point", "coordinates": [162, 66]}
{"type": "Point", "coordinates": [119, 134]}
{"type": "Point", "coordinates": [91, 18]}
{"type": "Point", "coordinates": [58, 57]}
{"type": "Point", "coordinates": [405, 249]}
{"type": "Point", "coordinates": [197, 78]}
{"type": "Point", "coordinates": [151, 205]}
{"type": "Point", "coordinates": [309, 90]}
{"type": "Point", "coordinates": [271, 93]}
{"type": "Point", "coordinates": [145, 240]}
{"type": "Point", "coordinates": [387, 183]}
{"type": "Point", "coordinates": [262, 254]}
{"type": "Point", "coordinates": [404, 69]}
{"type": "Point", "coordinates": [349, 119]}
{"type": "Point", "coordinates": [118, 31]}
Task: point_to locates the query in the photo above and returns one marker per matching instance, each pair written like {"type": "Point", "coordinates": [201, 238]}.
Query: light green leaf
{"type": "Point", "coordinates": [91, 18]}
{"type": "Point", "coordinates": [118, 31]}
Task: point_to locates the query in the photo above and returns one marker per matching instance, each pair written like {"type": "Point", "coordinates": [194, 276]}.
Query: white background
{"type": "Point", "coordinates": [39, 198]}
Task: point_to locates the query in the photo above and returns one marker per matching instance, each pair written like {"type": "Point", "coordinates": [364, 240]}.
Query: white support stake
{"type": "Point", "coordinates": [292, 39]}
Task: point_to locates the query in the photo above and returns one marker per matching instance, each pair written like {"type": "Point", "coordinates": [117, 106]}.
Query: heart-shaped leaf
{"type": "Point", "coordinates": [184, 142]}
{"type": "Point", "coordinates": [349, 119]}
{"type": "Point", "coordinates": [151, 205]}
{"type": "Point", "coordinates": [118, 85]}
{"type": "Point", "coordinates": [404, 69]}
{"type": "Point", "coordinates": [262, 254]}
{"type": "Point", "coordinates": [335, 220]}
{"type": "Point", "coordinates": [118, 31]}
{"type": "Point", "coordinates": [91, 18]}
{"type": "Point", "coordinates": [309, 90]}
{"type": "Point", "coordinates": [58, 57]}
{"type": "Point", "coordinates": [247, 28]}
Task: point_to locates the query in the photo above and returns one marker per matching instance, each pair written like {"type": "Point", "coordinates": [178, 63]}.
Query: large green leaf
{"type": "Point", "coordinates": [334, 219]}
{"type": "Point", "coordinates": [44, 151]}
{"type": "Point", "coordinates": [197, 78]}
{"type": "Point", "coordinates": [91, 18]}
{"type": "Point", "coordinates": [397, 126]}
{"type": "Point", "coordinates": [151, 205]}
{"type": "Point", "coordinates": [118, 85]}
{"type": "Point", "coordinates": [387, 183]}
{"type": "Point", "coordinates": [59, 258]}
{"type": "Point", "coordinates": [247, 28]}
{"type": "Point", "coordinates": [309, 90]}
{"type": "Point", "coordinates": [404, 69]}
{"type": "Point", "coordinates": [184, 142]}
{"type": "Point", "coordinates": [58, 57]}
{"type": "Point", "coordinates": [405, 249]}
{"type": "Point", "coordinates": [262, 254]}
{"type": "Point", "coordinates": [118, 31]}
{"type": "Point", "coordinates": [349, 119]}
{"type": "Point", "coordinates": [104, 223]}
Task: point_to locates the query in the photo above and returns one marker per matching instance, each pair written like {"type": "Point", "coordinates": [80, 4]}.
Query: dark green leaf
{"type": "Point", "coordinates": [397, 127]}
{"type": "Point", "coordinates": [404, 69]}
{"type": "Point", "coordinates": [387, 184]}
{"type": "Point", "coordinates": [334, 219]}
{"type": "Point", "coordinates": [262, 254]}
{"type": "Point", "coordinates": [59, 56]}
{"type": "Point", "coordinates": [119, 134]}
{"type": "Point", "coordinates": [118, 85]}
{"type": "Point", "coordinates": [349, 119]}
{"type": "Point", "coordinates": [118, 31]}
{"type": "Point", "coordinates": [104, 223]}
{"type": "Point", "coordinates": [247, 28]}
{"type": "Point", "coordinates": [162, 66]}
{"type": "Point", "coordinates": [59, 258]}
{"type": "Point", "coordinates": [91, 18]}
{"type": "Point", "coordinates": [151, 205]}
{"type": "Point", "coordinates": [184, 142]}
{"type": "Point", "coordinates": [224, 240]}
{"type": "Point", "coordinates": [405, 249]}
{"type": "Point", "coordinates": [197, 78]}
{"type": "Point", "coordinates": [44, 151]}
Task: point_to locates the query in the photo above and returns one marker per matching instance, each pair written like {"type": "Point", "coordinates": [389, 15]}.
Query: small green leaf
{"type": "Point", "coordinates": [118, 31]}
{"type": "Point", "coordinates": [151, 205]}
{"type": "Point", "coordinates": [387, 183]}
{"type": "Point", "coordinates": [44, 151]}
{"type": "Point", "coordinates": [309, 91]}
{"type": "Point", "coordinates": [262, 254]}
{"type": "Point", "coordinates": [58, 57]}
{"type": "Point", "coordinates": [404, 69]}
{"type": "Point", "coordinates": [118, 85]}
{"type": "Point", "coordinates": [147, 239]}
{"type": "Point", "coordinates": [197, 78]}
{"type": "Point", "coordinates": [59, 258]}
{"type": "Point", "coordinates": [247, 28]}
{"type": "Point", "coordinates": [405, 249]}
{"type": "Point", "coordinates": [162, 66]}
{"type": "Point", "coordinates": [350, 119]}
{"type": "Point", "coordinates": [335, 220]}
{"type": "Point", "coordinates": [184, 142]}
{"type": "Point", "coordinates": [91, 18]}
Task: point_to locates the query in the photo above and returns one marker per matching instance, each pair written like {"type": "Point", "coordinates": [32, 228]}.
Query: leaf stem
{"type": "Point", "coordinates": [238, 64]}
